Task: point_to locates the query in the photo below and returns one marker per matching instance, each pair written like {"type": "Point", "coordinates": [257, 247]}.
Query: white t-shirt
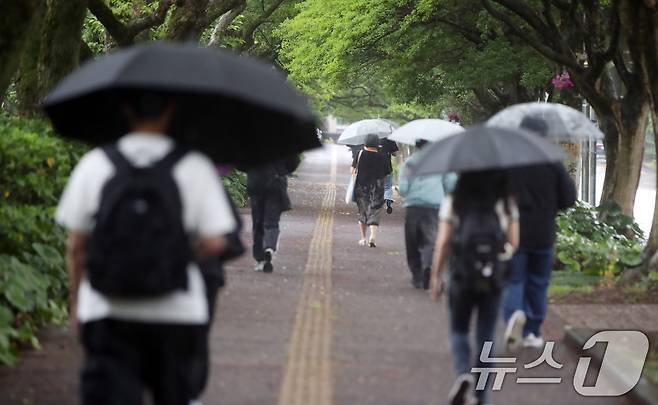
{"type": "Point", "coordinates": [206, 213]}
{"type": "Point", "coordinates": [447, 213]}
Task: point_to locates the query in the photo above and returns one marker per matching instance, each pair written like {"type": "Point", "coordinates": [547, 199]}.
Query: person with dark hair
{"type": "Point", "coordinates": [140, 214]}
{"type": "Point", "coordinates": [267, 187]}
{"type": "Point", "coordinates": [422, 199]}
{"type": "Point", "coordinates": [479, 226]}
{"type": "Point", "coordinates": [389, 148]}
{"type": "Point", "coordinates": [542, 191]}
{"type": "Point", "coordinates": [370, 167]}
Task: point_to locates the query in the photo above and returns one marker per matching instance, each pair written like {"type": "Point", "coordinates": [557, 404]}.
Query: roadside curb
{"type": "Point", "coordinates": [644, 392]}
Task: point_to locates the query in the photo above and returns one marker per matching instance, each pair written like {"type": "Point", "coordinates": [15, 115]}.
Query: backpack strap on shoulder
{"type": "Point", "coordinates": [171, 158]}
{"type": "Point", "coordinates": [116, 157]}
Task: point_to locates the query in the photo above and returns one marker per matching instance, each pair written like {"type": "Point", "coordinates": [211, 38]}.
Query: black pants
{"type": "Point", "coordinates": [266, 212]}
{"type": "Point", "coordinates": [420, 226]}
{"type": "Point", "coordinates": [124, 359]}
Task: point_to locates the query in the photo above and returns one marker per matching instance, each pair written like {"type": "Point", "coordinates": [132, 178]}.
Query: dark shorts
{"type": "Point", "coordinates": [123, 359]}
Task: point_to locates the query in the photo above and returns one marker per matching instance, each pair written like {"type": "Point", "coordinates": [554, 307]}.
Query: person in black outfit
{"type": "Point", "coordinates": [541, 192]}
{"type": "Point", "coordinates": [389, 148]}
{"type": "Point", "coordinates": [268, 193]}
{"type": "Point", "coordinates": [371, 168]}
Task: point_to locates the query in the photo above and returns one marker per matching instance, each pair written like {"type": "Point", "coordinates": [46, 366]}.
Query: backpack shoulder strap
{"type": "Point", "coordinates": [171, 158]}
{"type": "Point", "coordinates": [116, 157]}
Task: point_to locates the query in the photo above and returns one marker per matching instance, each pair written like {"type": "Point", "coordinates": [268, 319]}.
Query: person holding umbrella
{"type": "Point", "coordinates": [422, 199]}
{"type": "Point", "coordinates": [479, 227]}
{"type": "Point", "coordinates": [136, 201]}
{"type": "Point", "coordinates": [370, 167]}
{"type": "Point", "coordinates": [144, 208]}
{"type": "Point", "coordinates": [542, 191]}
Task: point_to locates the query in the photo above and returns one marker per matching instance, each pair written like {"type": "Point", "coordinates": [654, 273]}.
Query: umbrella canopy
{"type": "Point", "coordinates": [428, 129]}
{"type": "Point", "coordinates": [234, 109]}
{"type": "Point", "coordinates": [563, 122]}
{"type": "Point", "coordinates": [355, 133]}
{"type": "Point", "coordinates": [485, 148]}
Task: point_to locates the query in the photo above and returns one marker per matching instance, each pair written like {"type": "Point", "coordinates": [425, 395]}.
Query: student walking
{"type": "Point", "coordinates": [477, 224]}
{"type": "Point", "coordinates": [267, 187]}
{"type": "Point", "coordinates": [422, 199]}
{"type": "Point", "coordinates": [541, 191]}
{"type": "Point", "coordinates": [140, 213]}
{"type": "Point", "coordinates": [370, 167]}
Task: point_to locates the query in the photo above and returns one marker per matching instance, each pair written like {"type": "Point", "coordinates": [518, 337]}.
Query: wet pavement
{"type": "Point", "coordinates": [335, 323]}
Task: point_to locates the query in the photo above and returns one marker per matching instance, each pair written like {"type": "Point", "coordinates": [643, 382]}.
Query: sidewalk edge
{"type": "Point", "coordinates": [644, 392]}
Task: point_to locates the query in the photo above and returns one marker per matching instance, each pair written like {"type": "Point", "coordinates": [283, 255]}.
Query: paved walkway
{"type": "Point", "coordinates": [334, 324]}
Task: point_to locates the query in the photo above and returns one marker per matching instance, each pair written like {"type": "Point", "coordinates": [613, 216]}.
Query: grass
{"type": "Point", "coordinates": [563, 283]}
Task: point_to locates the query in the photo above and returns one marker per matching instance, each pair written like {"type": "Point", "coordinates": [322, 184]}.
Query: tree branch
{"type": "Point", "coordinates": [546, 51]}
{"type": "Point", "coordinates": [124, 34]}
{"type": "Point", "coordinates": [247, 32]}
{"type": "Point", "coordinates": [224, 22]}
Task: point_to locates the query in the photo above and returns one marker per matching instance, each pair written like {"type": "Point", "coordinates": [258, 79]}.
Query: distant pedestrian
{"type": "Point", "coordinates": [267, 187]}
{"type": "Point", "coordinates": [371, 167]}
{"type": "Point", "coordinates": [541, 192]}
{"type": "Point", "coordinates": [140, 213]}
{"type": "Point", "coordinates": [479, 226]}
{"type": "Point", "coordinates": [389, 148]}
{"type": "Point", "coordinates": [422, 200]}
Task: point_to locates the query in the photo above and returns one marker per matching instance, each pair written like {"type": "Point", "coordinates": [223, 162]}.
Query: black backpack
{"type": "Point", "coordinates": [476, 243]}
{"type": "Point", "coordinates": [139, 247]}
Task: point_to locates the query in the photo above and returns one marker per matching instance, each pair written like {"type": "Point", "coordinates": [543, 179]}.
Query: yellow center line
{"type": "Point", "coordinates": [307, 374]}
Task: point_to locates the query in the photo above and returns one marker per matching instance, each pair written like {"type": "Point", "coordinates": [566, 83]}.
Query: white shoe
{"type": "Point", "coordinates": [534, 342]}
{"type": "Point", "coordinates": [259, 266]}
{"type": "Point", "coordinates": [514, 331]}
{"type": "Point", "coordinates": [461, 392]}
{"type": "Point", "coordinates": [362, 242]}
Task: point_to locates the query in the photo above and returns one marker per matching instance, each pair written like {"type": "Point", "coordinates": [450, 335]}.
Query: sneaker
{"type": "Point", "coordinates": [362, 242]}
{"type": "Point", "coordinates": [514, 330]}
{"type": "Point", "coordinates": [259, 266]}
{"type": "Point", "coordinates": [533, 341]}
{"type": "Point", "coordinates": [371, 243]}
{"type": "Point", "coordinates": [267, 267]}
{"type": "Point", "coordinates": [416, 283]}
{"type": "Point", "coordinates": [461, 392]}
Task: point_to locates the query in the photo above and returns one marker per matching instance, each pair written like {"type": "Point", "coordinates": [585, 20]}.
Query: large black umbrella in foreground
{"type": "Point", "coordinates": [233, 108]}
{"type": "Point", "coordinates": [485, 148]}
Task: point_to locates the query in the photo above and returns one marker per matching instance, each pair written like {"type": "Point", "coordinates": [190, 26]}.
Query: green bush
{"type": "Point", "coordinates": [236, 184]}
{"type": "Point", "coordinates": [34, 167]}
{"type": "Point", "coordinates": [34, 164]}
{"type": "Point", "coordinates": [597, 240]}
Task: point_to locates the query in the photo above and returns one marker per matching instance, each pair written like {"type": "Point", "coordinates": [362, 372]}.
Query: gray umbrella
{"type": "Point", "coordinates": [235, 109]}
{"type": "Point", "coordinates": [563, 122]}
{"type": "Point", "coordinates": [485, 148]}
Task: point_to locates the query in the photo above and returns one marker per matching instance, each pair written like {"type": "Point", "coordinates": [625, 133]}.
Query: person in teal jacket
{"type": "Point", "coordinates": [422, 199]}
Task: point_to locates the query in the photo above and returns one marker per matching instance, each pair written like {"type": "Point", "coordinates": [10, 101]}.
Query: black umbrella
{"type": "Point", "coordinates": [485, 148]}
{"type": "Point", "coordinates": [235, 109]}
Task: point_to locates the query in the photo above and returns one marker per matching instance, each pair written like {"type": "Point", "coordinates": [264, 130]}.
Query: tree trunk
{"type": "Point", "coordinates": [16, 17]}
{"type": "Point", "coordinates": [62, 31]}
{"type": "Point", "coordinates": [627, 167]}
{"type": "Point", "coordinates": [183, 23]}
{"type": "Point", "coordinates": [652, 241]}
{"type": "Point", "coordinates": [27, 81]}
{"type": "Point", "coordinates": [623, 121]}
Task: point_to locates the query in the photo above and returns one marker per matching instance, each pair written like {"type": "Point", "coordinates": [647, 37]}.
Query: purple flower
{"type": "Point", "coordinates": [562, 81]}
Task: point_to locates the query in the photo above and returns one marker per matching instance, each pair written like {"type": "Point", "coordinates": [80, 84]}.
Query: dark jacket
{"type": "Point", "coordinates": [272, 179]}
{"type": "Point", "coordinates": [541, 192]}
